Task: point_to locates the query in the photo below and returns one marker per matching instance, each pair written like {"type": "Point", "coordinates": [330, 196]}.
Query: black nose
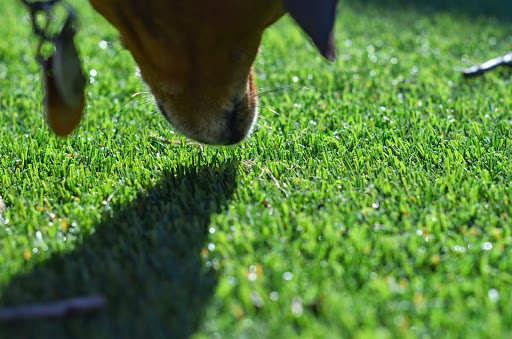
{"type": "Point", "coordinates": [161, 108]}
{"type": "Point", "coordinates": [237, 126]}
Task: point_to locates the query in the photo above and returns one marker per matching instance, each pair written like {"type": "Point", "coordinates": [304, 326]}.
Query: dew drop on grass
{"type": "Point", "coordinates": [2, 205]}
{"type": "Point", "coordinates": [297, 309]}
{"type": "Point", "coordinates": [212, 230]}
{"type": "Point", "coordinates": [287, 276]}
{"type": "Point", "coordinates": [274, 296]}
{"type": "Point", "coordinates": [458, 248]}
{"type": "Point", "coordinates": [494, 295]}
{"type": "Point", "coordinates": [256, 299]}
{"type": "Point", "coordinates": [232, 280]}
{"type": "Point", "coordinates": [211, 246]}
{"type": "Point", "coordinates": [252, 276]}
{"type": "Point", "coordinates": [216, 264]}
{"type": "Point", "coordinates": [487, 246]}
{"type": "Point", "coordinates": [103, 44]}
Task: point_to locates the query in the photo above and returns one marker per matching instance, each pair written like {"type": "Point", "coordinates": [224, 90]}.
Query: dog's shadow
{"type": "Point", "coordinates": [145, 258]}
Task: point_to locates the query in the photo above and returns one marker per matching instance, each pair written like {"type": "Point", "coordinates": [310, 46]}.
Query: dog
{"type": "Point", "coordinates": [197, 56]}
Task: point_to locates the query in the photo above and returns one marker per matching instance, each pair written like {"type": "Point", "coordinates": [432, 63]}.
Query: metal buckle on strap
{"type": "Point", "coordinates": [62, 71]}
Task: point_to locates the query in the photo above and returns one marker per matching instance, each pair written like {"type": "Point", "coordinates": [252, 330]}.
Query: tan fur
{"type": "Point", "coordinates": [196, 56]}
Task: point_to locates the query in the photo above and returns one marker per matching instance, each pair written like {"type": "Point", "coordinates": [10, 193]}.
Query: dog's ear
{"type": "Point", "coordinates": [316, 17]}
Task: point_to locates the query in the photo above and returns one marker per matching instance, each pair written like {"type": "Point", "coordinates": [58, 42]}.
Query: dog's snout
{"type": "Point", "coordinates": [226, 126]}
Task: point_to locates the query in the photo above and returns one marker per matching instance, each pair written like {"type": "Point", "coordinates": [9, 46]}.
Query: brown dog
{"type": "Point", "coordinates": [197, 56]}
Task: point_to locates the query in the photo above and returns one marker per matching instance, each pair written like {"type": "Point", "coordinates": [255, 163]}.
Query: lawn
{"type": "Point", "coordinates": [374, 199]}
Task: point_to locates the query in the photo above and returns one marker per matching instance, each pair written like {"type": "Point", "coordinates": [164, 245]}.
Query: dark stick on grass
{"type": "Point", "coordinates": [478, 70]}
{"type": "Point", "coordinates": [59, 309]}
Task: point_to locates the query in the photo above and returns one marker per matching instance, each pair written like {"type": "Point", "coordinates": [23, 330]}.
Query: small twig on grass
{"type": "Point", "coordinates": [107, 202]}
{"type": "Point", "coordinates": [167, 141]}
{"type": "Point", "coordinates": [276, 182]}
{"type": "Point", "coordinates": [59, 309]}
{"type": "Point", "coordinates": [474, 71]}
{"type": "Point", "coordinates": [196, 144]}
{"type": "Point", "coordinates": [178, 143]}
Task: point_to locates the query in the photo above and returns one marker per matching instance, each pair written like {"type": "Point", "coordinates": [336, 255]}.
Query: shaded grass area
{"type": "Point", "coordinates": [373, 199]}
{"type": "Point", "coordinates": [144, 256]}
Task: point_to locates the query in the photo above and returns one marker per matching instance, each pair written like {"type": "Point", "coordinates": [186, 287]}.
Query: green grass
{"type": "Point", "coordinates": [381, 191]}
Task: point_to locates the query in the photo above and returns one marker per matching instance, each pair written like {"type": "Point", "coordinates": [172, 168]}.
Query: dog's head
{"type": "Point", "coordinates": [196, 56]}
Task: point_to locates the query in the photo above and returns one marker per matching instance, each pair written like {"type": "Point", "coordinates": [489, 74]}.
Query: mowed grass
{"type": "Point", "coordinates": [372, 200]}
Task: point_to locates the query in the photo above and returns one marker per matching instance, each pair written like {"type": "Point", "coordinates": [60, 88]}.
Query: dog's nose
{"type": "Point", "coordinates": [227, 127]}
{"type": "Point", "coordinates": [237, 127]}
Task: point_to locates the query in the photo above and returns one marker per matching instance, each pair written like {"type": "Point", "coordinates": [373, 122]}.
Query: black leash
{"type": "Point", "coordinates": [64, 79]}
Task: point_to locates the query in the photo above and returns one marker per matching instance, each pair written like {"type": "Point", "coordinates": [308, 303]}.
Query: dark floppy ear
{"type": "Point", "coordinates": [316, 17]}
